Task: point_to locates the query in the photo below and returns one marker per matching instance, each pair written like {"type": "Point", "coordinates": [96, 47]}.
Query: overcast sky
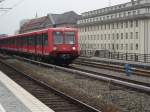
{"type": "Point", "coordinates": [26, 9]}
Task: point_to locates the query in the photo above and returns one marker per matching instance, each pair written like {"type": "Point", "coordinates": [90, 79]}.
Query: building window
{"type": "Point", "coordinates": [108, 26]}
{"type": "Point", "coordinates": [113, 47]}
{"type": "Point", "coordinates": [136, 46]}
{"type": "Point", "coordinates": [85, 29]}
{"type": "Point", "coordinates": [117, 35]}
{"type": "Point", "coordinates": [121, 35]}
{"type": "Point", "coordinates": [126, 35]}
{"type": "Point", "coordinates": [136, 34]}
{"type": "Point", "coordinates": [112, 16]}
{"type": "Point", "coordinates": [113, 36]}
{"type": "Point", "coordinates": [116, 15]}
{"type": "Point", "coordinates": [119, 14]}
{"type": "Point", "coordinates": [121, 24]}
{"type": "Point", "coordinates": [101, 36]}
{"type": "Point", "coordinates": [109, 36]}
{"type": "Point", "coordinates": [105, 46]}
{"type": "Point", "coordinates": [136, 23]}
{"type": "Point", "coordinates": [138, 12]}
{"type": "Point", "coordinates": [129, 13]}
{"type": "Point", "coordinates": [131, 24]}
{"type": "Point", "coordinates": [131, 47]}
{"type": "Point", "coordinates": [124, 14]}
{"type": "Point", "coordinates": [124, 5]}
{"type": "Point", "coordinates": [126, 46]}
{"type": "Point", "coordinates": [99, 18]}
{"type": "Point", "coordinates": [127, 24]}
{"type": "Point", "coordinates": [121, 46]}
{"type": "Point", "coordinates": [131, 35]}
{"type": "Point", "coordinates": [97, 27]}
{"type": "Point", "coordinates": [117, 25]}
{"type": "Point", "coordinates": [113, 26]}
{"type": "Point", "coordinates": [117, 46]}
{"type": "Point", "coordinates": [134, 12]}
{"type": "Point", "coordinates": [103, 17]}
{"type": "Point", "coordinates": [105, 26]}
{"type": "Point", "coordinates": [109, 46]}
{"type": "Point", "coordinates": [105, 36]}
{"type": "Point", "coordinates": [97, 37]}
{"type": "Point", "coordinates": [107, 17]}
{"type": "Point", "coordinates": [101, 27]}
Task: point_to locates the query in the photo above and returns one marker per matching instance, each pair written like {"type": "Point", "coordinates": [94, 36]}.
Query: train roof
{"type": "Point", "coordinates": [41, 31]}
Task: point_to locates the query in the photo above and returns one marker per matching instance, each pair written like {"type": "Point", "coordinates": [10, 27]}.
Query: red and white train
{"type": "Point", "coordinates": [59, 45]}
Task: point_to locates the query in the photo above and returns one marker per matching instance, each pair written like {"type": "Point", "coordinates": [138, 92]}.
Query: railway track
{"type": "Point", "coordinates": [113, 67]}
{"type": "Point", "coordinates": [131, 84]}
{"type": "Point", "coordinates": [53, 98]}
{"type": "Point", "coordinates": [112, 77]}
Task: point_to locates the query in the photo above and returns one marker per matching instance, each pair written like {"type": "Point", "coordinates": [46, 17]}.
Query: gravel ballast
{"type": "Point", "coordinates": [101, 95]}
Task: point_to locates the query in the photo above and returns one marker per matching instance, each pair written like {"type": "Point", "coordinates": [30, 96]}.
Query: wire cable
{"type": "Point", "coordinates": [1, 1]}
{"type": "Point", "coordinates": [15, 5]}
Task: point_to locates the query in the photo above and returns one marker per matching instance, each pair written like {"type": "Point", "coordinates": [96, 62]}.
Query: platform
{"type": "Point", "coordinates": [13, 98]}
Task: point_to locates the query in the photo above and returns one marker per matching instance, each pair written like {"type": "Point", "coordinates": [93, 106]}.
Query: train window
{"type": "Point", "coordinates": [18, 42]}
{"type": "Point", "coordinates": [45, 39]}
{"type": "Point", "coordinates": [13, 41]}
{"type": "Point", "coordinates": [39, 39]}
{"type": "Point", "coordinates": [21, 41]}
{"type": "Point", "coordinates": [33, 40]}
{"type": "Point", "coordinates": [24, 41]}
{"type": "Point", "coordinates": [30, 40]}
{"type": "Point", "coordinates": [57, 37]}
{"type": "Point", "coordinates": [69, 38]}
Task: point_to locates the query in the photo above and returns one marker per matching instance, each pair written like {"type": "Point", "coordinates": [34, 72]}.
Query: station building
{"type": "Point", "coordinates": [121, 28]}
{"type": "Point", "coordinates": [67, 19]}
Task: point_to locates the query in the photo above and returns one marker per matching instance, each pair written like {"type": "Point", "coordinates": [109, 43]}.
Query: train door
{"type": "Point", "coordinates": [45, 44]}
{"type": "Point", "coordinates": [19, 44]}
{"type": "Point", "coordinates": [26, 44]}
{"type": "Point", "coordinates": [35, 44]}
{"type": "Point", "coordinates": [39, 45]}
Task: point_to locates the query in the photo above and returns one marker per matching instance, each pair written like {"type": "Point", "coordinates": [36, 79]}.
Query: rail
{"type": "Point", "coordinates": [32, 85]}
{"type": "Point", "coordinates": [131, 85]}
{"type": "Point", "coordinates": [119, 68]}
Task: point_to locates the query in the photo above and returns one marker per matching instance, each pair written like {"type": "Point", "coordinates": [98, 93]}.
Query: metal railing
{"type": "Point", "coordinates": [117, 55]}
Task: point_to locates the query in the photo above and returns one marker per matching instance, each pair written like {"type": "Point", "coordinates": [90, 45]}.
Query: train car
{"type": "Point", "coordinates": [58, 45]}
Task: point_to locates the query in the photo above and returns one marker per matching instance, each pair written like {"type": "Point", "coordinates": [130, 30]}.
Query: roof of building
{"type": "Point", "coordinates": [33, 23]}
{"type": "Point", "coordinates": [68, 17]}
{"type": "Point", "coordinates": [50, 20]}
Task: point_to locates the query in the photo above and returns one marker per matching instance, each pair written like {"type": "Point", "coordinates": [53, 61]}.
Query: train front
{"type": "Point", "coordinates": [65, 45]}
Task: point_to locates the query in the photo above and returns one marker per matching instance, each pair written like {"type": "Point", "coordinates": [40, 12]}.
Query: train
{"type": "Point", "coordinates": [56, 45]}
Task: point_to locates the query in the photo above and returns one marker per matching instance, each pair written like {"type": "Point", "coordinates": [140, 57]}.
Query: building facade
{"type": "Point", "coordinates": [121, 28]}
{"type": "Point", "coordinates": [67, 19]}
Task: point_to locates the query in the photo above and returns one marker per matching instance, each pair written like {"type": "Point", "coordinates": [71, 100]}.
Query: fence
{"type": "Point", "coordinates": [117, 55]}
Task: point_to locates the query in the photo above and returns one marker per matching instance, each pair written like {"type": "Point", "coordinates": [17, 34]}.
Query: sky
{"type": "Point", "coordinates": [27, 9]}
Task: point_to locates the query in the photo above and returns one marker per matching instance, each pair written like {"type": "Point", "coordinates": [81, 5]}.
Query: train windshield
{"type": "Point", "coordinates": [57, 37]}
{"type": "Point", "coordinates": [69, 37]}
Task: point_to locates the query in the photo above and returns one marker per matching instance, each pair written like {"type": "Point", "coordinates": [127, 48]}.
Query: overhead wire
{"type": "Point", "coordinates": [1, 1]}
{"type": "Point", "coordinates": [9, 9]}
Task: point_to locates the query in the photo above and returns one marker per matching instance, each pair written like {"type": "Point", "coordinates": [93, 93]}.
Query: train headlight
{"type": "Point", "coordinates": [54, 48]}
{"type": "Point", "coordinates": [73, 48]}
